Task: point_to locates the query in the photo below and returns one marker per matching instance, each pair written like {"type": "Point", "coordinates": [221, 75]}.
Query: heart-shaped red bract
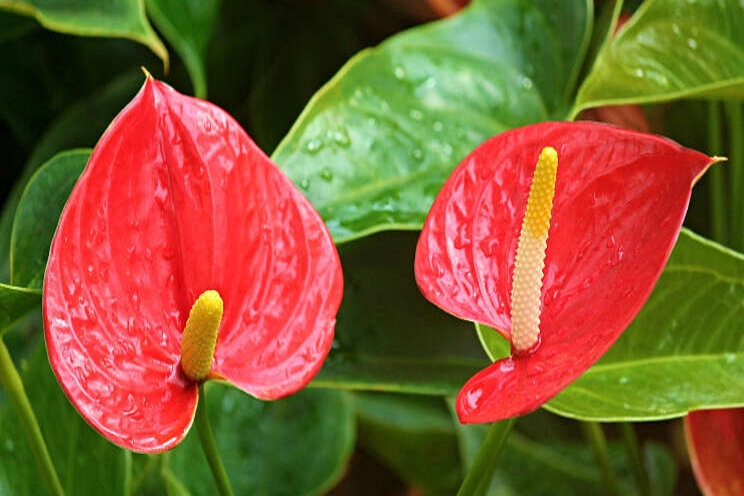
{"type": "Point", "coordinates": [176, 200]}
{"type": "Point", "coordinates": [715, 441]}
{"type": "Point", "coordinates": [619, 203]}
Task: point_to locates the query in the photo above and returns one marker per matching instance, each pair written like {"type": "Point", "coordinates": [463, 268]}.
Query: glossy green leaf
{"type": "Point", "coordinates": [388, 337]}
{"type": "Point", "coordinates": [295, 446]}
{"type": "Point", "coordinates": [684, 351]}
{"type": "Point", "coordinates": [80, 126]}
{"type": "Point", "coordinates": [376, 143]}
{"type": "Point", "coordinates": [38, 214]}
{"type": "Point", "coordinates": [188, 26]}
{"type": "Point", "coordinates": [87, 464]}
{"type": "Point", "coordinates": [414, 436]}
{"type": "Point", "coordinates": [115, 18]}
{"type": "Point", "coordinates": [671, 49]}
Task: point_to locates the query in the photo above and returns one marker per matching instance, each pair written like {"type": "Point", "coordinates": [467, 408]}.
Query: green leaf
{"type": "Point", "coordinates": [684, 351]}
{"type": "Point", "coordinates": [87, 463]}
{"type": "Point", "coordinates": [38, 214]}
{"type": "Point", "coordinates": [115, 18]}
{"type": "Point", "coordinates": [376, 143]}
{"type": "Point", "coordinates": [414, 436]}
{"type": "Point", "coordinates": [15, 303]}
{"type": "Point", "coordinates": [80, 126]}
{"type": "Point", "coordinates": [298, 445]}
{"type": "Point", "coordinates": [188, 26]}
{"type": "Point", "coordinates": [388, 337]}
{"type": "Point", "coordinates": [671, 49]}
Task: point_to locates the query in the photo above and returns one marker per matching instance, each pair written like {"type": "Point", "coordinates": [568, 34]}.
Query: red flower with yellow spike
{"type": "Point", "coordinates": [181, 224]}
{"type": "Point", "coordinates": [558, 257]}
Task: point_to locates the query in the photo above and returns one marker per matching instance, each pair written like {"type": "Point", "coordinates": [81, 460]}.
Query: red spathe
{"type": "Point", "coordinates": [176, 199]}
{"type": "Point", "coordinates": [619, 203]}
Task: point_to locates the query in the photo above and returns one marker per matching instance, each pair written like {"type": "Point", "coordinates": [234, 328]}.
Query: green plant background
{"type": "Point", "coordinates": [368, 113]}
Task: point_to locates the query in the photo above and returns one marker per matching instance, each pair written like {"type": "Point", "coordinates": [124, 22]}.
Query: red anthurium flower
{"type": "Point", "coordinates": [715, 440]}
{"type": "Point", "coordinates": [619, 200]}
{"type": "Point", "coordinates": [178, 204]}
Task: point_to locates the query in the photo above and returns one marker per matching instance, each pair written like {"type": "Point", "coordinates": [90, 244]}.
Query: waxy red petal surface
{"type": "Point", "coordinates": [619, 203]}
{"type": "Point", "coordinates": [715, 441]}
{"type": "Point", "coordinates": [176, 200]}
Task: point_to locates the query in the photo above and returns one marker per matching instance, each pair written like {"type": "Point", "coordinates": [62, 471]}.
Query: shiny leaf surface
{"type": "Point", "coordinates": [388, 337]}
{"type": "Point", "coordinates": [619, 203]}
{"type": "Point", "coordinates": [684, 351]}
{"type": "Point", "coordinates": [177, 199]}
{"type": "Point", "coordinates": [715, 441]}
{"type": "Point", "coordinates": [671, 49]}
{"type": "Point", "coordinates": [87, 464]}
{"type": "Point", "coordinates": [188, 26]}
{"type": "Point", "coordinates": [118, 18]}
{"type": "Point", "coordinates": [295, 446]}
{"type": "Point", "coordinates": [376, 143]}
{"type": "Point", "coordinates": [38, 214]}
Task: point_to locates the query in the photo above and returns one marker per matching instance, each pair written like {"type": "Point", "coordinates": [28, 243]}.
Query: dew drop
{"type": "Point", "coordinates": [314, 145]}
{"type": "Point", "coordinates": [399, 72]}
{"type": "Point", "coordinates": [416, 114]}
{"type": "Point", "coordinates": [326, 174]}
{"type": "Point", "coordinates": [304, 184]}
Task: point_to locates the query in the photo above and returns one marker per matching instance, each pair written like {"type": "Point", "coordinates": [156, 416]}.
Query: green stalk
{"type": "Point", "coordinates": [736, 161]}
{"type": "Point", "coordinates": [636, 458]}
{"type": "Point", "coordinates": [484, 466]}
{"type": "Point", "coordinates": [595, 436]}
{"type": "Point", "coordinates": [13, 385]}
{"type": "Point", "coordinates": [715, 175]}
{"type": "Point", "coordinates": [209, 445]}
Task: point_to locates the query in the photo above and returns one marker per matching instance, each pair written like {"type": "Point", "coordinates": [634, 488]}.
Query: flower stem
{"type": "Point", "coordinates": [736, 160]}
{"type": "Point", "coordinates": [715, 180]}
{"type": "Point", "coordinates": [13, 385]}
{"type": "Point", "coordinates": [481, 471]}
{"type": "Point", "coordinates": [636, 458]}
{"type": "Point", "coordinates": [595, 436]}
{"type": "Point", "coordinates": [209, 445]}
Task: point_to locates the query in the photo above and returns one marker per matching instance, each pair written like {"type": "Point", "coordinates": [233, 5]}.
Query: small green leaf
{"type": "Point", "coordinates": [376, 143]}
{"type": "Point", "coordinates": [115, 18]}
{"type": "Point", "coordinates": [188, 26]}
{"type": "Point", "coordinates": [38, 214]}
{"type": "Point", "coordinates": [388, 337]}
{"type": "Point", "coordinates": [87, 463]}
{"type": "Point", "coordinates": [414, 436]}
{"type": "Point", "coordinates": [671, 49]}
{"type": "Point", "coordinates": [684, 351]}
{"type": "Point", "coordinates": [298, 445]}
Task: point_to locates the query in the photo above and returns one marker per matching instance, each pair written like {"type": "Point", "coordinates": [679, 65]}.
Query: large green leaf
{"type": "Point", "coordinates": [87, 464]}
{"type": "Point", "coordinates": [414, 436]}
{"type": "Point", "coordinates": [37, 216]}
{"type": "Point", "coordinates": [671, 49]}
{"type": "Point", "coordinates": [298, 445]}
{"type": "Point", "coordinates": [114, 18]}
{"type": "Point", "coordinates": [188, 26]}
{"type": "Point", "coordinates": [684, 351]}
{"type": "Point", "coordinates": [388, 337]}
{"type": "Point", "coordinates": [375, 144]}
